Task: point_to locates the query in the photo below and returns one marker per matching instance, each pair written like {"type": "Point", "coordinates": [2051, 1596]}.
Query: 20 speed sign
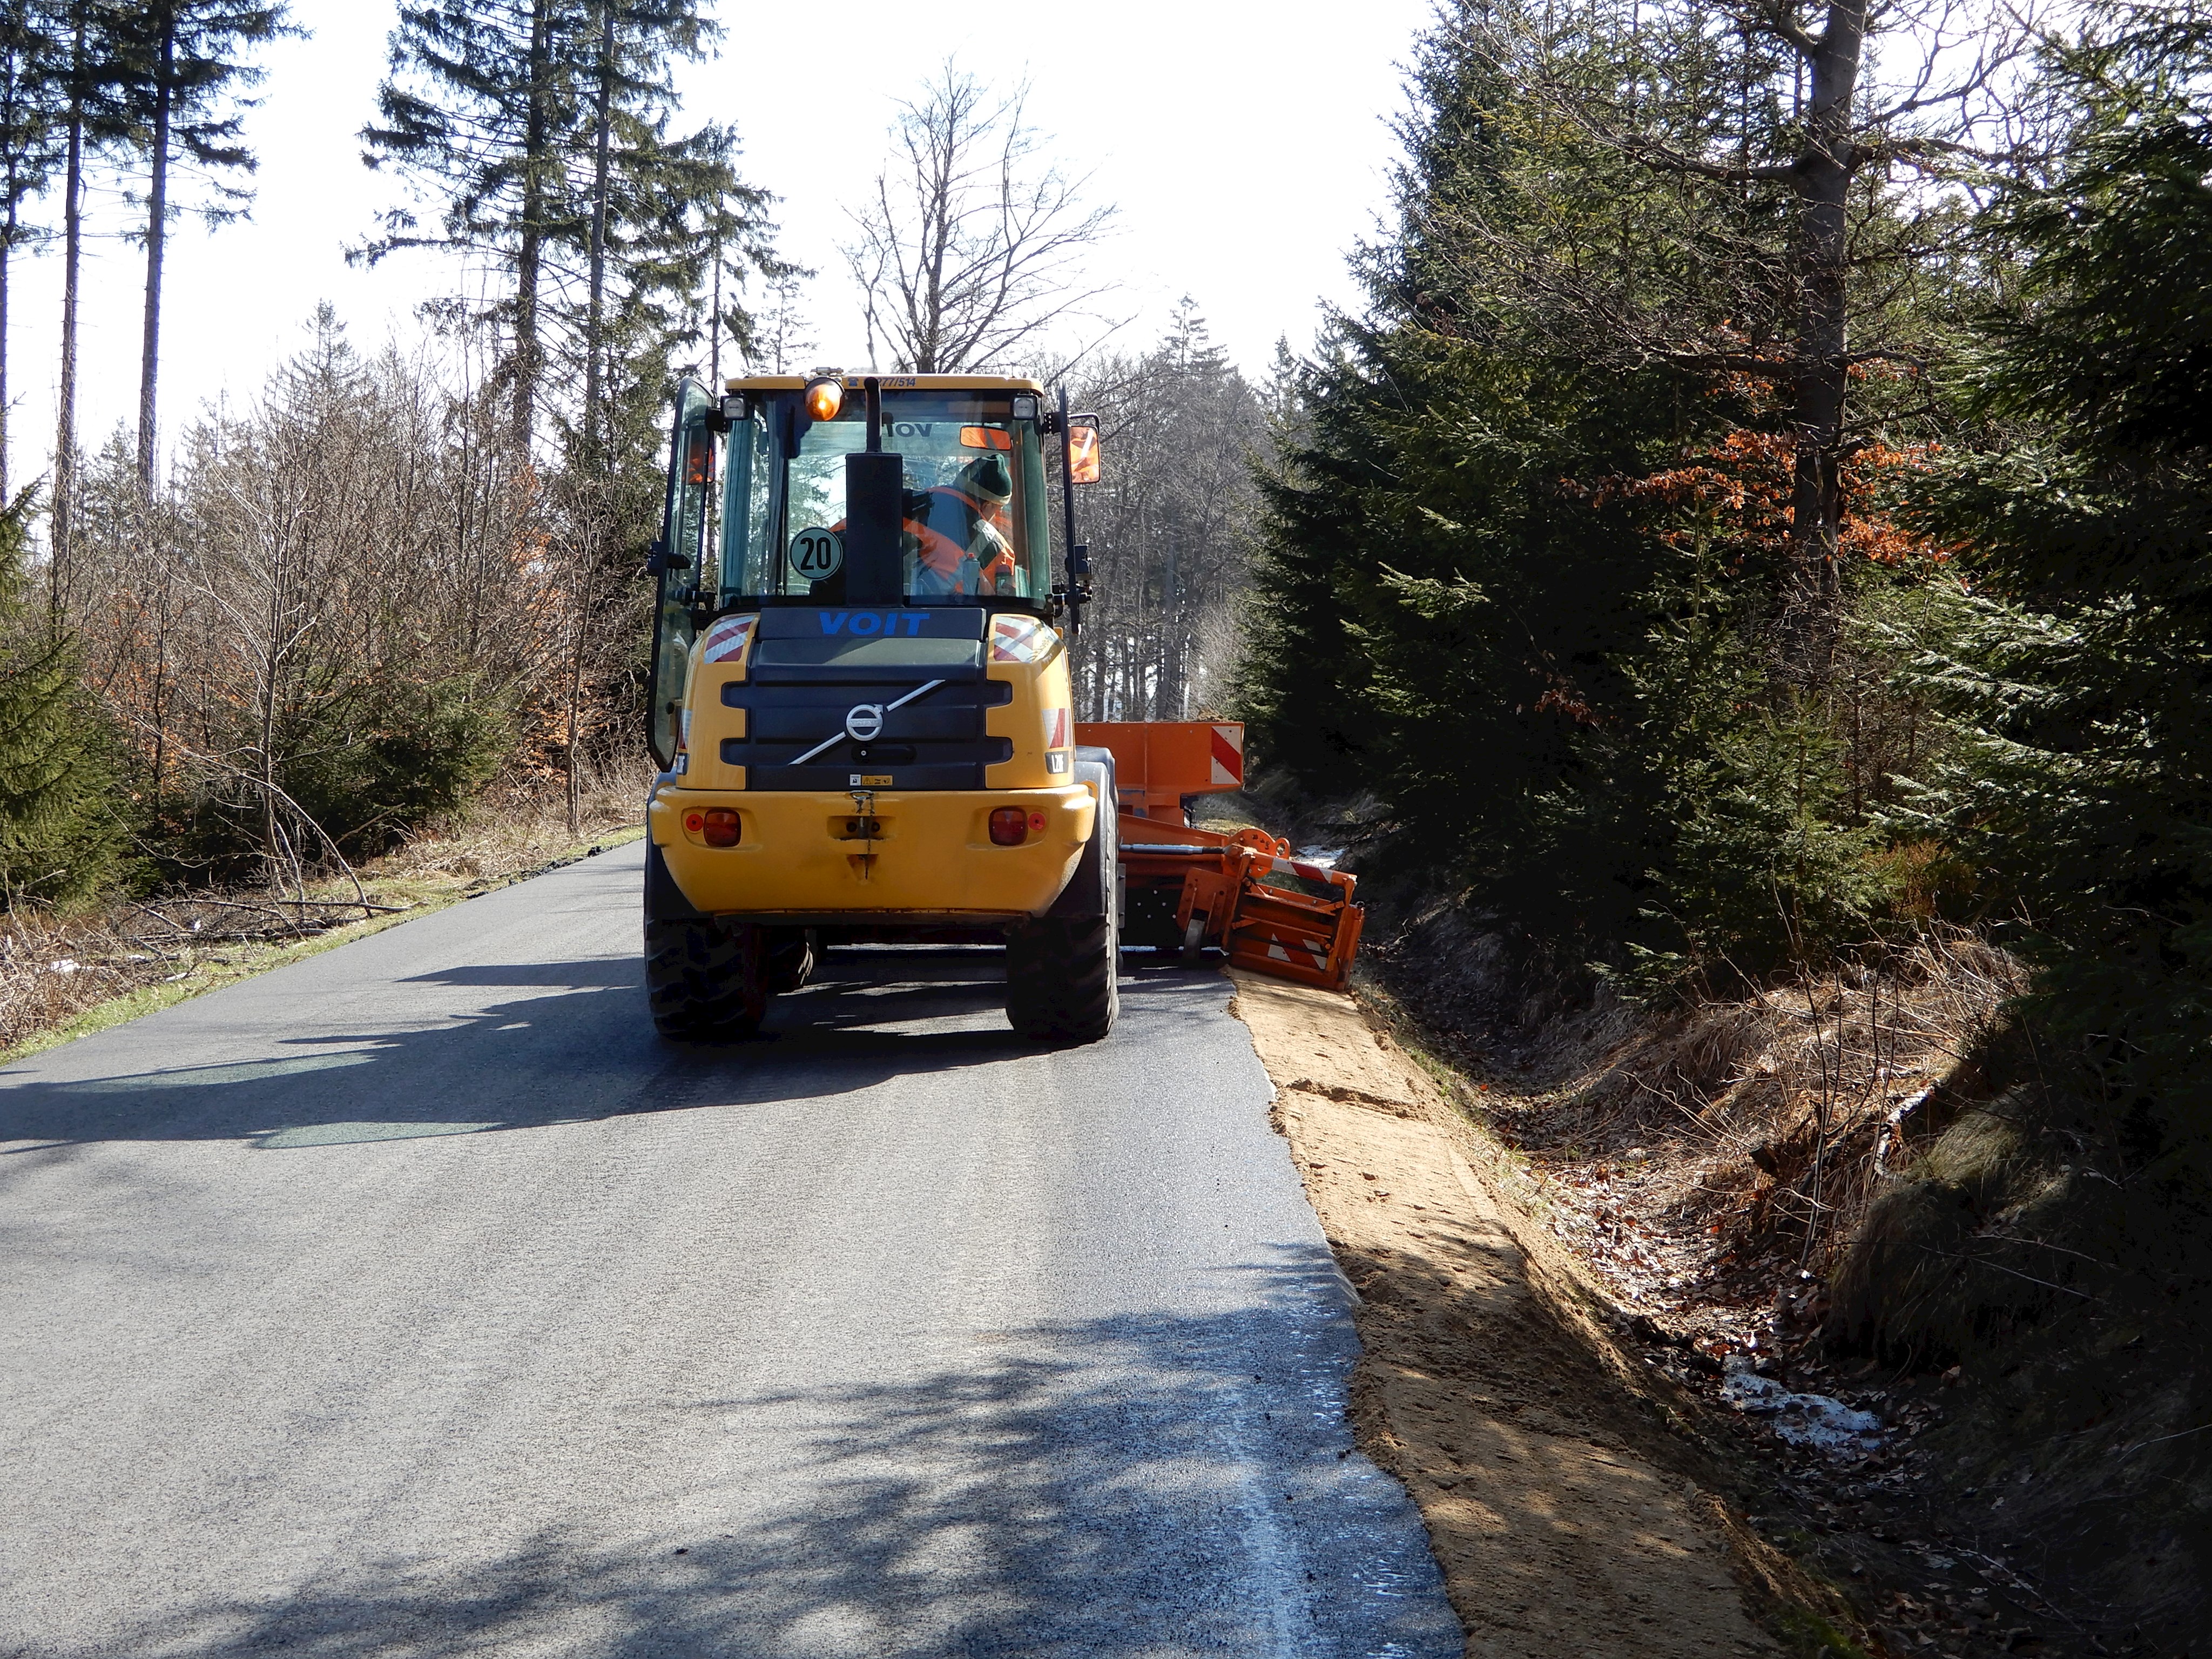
{"type": "Point", "coordinates": [816, 554]}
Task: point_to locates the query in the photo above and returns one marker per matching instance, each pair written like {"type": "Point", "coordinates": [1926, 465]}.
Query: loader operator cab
{"type": "Point", "coordinates": [965, 460]}
{"type": "Point", "coordinates": [861, 698]}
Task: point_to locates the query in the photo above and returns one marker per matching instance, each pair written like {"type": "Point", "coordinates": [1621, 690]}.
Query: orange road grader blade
{"type": "Point", "coordinates": [1241, 893]}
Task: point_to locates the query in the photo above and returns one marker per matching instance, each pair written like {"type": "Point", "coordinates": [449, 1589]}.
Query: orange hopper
{"type": "Point", "coordinates": [1242, 893]}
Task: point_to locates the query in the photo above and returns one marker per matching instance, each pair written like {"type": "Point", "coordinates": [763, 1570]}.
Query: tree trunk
{"type": "Point", "coordinates": [1171, 695]}
{"type": "Point", "coordinates": [1812, 586]}
{"type": "Point", "coordinates": [714, 320]}
{"type": "Point", "coordinates": [72, 252]}
{"type": "Point", "coordinates": [7, 254]}
{"type": "Point", "coordinates": [157, 227]}
{"type": "Point", "coordinates": [575, 702]}
{"type": "Point", "coordinates": [602, 147]}
{"type": "Point", "coordinates": [536, 142]}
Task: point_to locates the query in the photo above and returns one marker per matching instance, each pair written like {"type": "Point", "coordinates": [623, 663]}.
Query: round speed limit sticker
{"type": "Point", "coordinates": [818, 553]}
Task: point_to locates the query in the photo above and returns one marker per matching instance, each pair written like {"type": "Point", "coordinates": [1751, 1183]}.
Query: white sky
{"type": "Point", "coordinates": [1245, 144]}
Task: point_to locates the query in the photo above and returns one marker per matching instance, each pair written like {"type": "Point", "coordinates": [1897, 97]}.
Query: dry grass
{"type": "Point", "coordinates": [64, 973]}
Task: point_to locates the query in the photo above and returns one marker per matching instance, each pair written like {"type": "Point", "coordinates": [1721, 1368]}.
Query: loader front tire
{"type": "Point", "coordinates": [1062, 978]}
{"type": "Point", "coordinates": [705, 979]}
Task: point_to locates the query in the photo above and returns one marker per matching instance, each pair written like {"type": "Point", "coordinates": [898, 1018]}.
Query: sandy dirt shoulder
{"type": "Point", "coordinates": [1566, 1518]}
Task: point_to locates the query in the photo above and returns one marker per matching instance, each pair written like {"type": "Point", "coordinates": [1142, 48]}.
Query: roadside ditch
{"type": "Point", "coordinates": [1735, 1327]}
{"type": "Point", "coordinates": [1577, 1504]}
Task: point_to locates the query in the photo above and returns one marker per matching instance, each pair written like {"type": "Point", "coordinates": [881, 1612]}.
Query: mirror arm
{"type": "Point", "coordinates": [1078, 560]}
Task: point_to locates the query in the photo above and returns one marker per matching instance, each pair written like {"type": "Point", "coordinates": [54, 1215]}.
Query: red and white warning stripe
{"type": "Point", "coordinates": [726, 639]}
{"type": "Point", "coordinates": [1021, 639]}
{"type": "Point", "coordinates": [1229, 753]}
{"type": "Point", "coordinates": [1315, 956]}
{"type": "Point", "coordinates": [1320, 873]}
{"type": "Point", "coordinates": [1056, 728]}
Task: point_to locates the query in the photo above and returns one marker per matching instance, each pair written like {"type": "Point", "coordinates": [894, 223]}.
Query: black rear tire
{"type": "Point", "coordinates": [705, 979]}
{"type": "Point", "coordinates": [1063, 978]}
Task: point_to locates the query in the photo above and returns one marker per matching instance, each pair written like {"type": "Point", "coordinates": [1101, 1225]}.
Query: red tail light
{"type": "Point", "coordinates": [721, 829]}
{"type": "Point", "coordinates": [1010, 826]}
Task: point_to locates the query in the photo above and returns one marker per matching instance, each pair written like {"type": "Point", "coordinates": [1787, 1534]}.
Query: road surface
{"type": "Point", "coordinates": [415, 1300]}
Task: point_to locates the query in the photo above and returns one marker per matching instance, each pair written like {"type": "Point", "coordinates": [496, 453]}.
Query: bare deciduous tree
{"type": "Point", "coordinates": [1166, 528]}
{"type": "Point", "coordinates": [972, 243]}
{"type": "Point", "coordinates": [356, 604]}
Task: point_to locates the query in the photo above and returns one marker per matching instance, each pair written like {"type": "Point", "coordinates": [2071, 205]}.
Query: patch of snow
{"type": "Point", "coordinates": [1802, 1419]}
{"type": "Point", "coordinates": [1324, 856]}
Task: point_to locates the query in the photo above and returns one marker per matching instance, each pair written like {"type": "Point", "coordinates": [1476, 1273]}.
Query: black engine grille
{"type": "Point", "coordinates": [935, 741]}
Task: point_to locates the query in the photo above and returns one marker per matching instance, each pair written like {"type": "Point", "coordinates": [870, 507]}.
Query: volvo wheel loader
{"type": "Point", "coordinates": [862, 710]}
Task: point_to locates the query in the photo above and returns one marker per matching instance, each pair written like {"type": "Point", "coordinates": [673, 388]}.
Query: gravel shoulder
{"type": "Point", "coordinates": [1567, 1515]}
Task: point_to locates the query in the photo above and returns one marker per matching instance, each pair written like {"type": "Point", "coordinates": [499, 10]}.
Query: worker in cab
{"type": "Point", "coordinates": [966, 538]}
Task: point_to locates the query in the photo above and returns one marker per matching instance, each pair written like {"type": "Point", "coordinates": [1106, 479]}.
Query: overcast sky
{"type": "Point", "coordinates": [1245, 145]}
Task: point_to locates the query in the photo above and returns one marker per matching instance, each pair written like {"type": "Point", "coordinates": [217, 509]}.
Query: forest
{"type": "Point", "coordinates": [1761, 515]}
{"type": "Point", "coordinates": [1744, 569]}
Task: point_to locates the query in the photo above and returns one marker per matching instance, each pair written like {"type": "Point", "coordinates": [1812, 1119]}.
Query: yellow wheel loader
{"type": "Point", "coordinates": [859, 697]}
{"type": "Point", "coordinates": [861, 709]}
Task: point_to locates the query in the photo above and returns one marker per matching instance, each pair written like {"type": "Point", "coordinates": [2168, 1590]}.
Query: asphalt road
{"type": "Point", "coordinates": [415, 1299]}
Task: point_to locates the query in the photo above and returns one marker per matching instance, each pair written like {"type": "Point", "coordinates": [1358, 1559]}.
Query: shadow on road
{"type": "Point", "coordinates": [578, 1046]}
{"type": "Point", "coordinates": [1163, 1486]}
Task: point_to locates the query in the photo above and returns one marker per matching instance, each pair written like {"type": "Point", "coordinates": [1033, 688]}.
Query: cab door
{"type": "Point", "coordinates": [679, 563]}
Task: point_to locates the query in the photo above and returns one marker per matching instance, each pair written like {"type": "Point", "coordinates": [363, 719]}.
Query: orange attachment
{"type": "Point", "coordinates": [1242, 892]}
{"type": "Point", "coordinates": [1158, 763]}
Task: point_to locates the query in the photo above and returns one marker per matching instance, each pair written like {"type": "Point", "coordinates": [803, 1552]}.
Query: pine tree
{"type": "Point", "coordinates": [1448, 576]}
{"type": "Point", "coordinates": [1533, 555]}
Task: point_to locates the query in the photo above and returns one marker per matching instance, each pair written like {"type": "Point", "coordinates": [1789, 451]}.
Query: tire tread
{"type": "Point", "coordinates": [696, 979]}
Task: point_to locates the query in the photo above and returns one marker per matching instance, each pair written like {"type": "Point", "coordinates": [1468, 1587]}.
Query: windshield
{"type": "Point", "coordinates": [974, 525]}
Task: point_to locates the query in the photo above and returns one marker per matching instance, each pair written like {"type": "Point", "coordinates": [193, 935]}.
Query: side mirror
{"type": "Point", "coordinates": [1083, 449]}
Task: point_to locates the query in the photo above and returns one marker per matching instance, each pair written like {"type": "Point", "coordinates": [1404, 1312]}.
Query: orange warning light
{"type": "Point", "coordinates": [825, 396]}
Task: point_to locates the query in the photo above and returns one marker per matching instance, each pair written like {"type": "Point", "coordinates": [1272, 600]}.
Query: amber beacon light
{"type": "Point", "coordinates": [825, 396]}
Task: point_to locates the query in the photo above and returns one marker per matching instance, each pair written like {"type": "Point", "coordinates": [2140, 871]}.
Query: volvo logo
{"type": "Point", "coordinates": [864, 723]}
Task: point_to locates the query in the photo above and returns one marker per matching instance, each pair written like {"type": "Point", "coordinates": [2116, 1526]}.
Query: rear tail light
{"type": "Point", "coordinates": [1010, 826]}
{"type": "Point", "coordinates": [722, 827]}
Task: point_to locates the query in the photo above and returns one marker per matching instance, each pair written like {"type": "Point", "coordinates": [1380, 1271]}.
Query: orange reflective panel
{"type": "Point", "coordinates": [984, 437]}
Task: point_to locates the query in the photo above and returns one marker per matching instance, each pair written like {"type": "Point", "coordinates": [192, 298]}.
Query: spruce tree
{"type": "Point", "coordinates": [30, 148]}
{"type": "Point", "coordinates": [59, 831]}
{"type": "Point", "coordinates": [473, 115]}
{"type": "Point", "coordinates": [538, 132]}
{"type": "Point", "coordinates": [2080, 669]}
{"type": "Point", "coordinates": [91, 72]}
{"type": "Point", "coordinates": [186, 70]}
